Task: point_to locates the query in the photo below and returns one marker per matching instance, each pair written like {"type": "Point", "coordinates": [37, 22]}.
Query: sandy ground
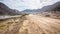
{"type": "Point", "coordinates": [40, 25]}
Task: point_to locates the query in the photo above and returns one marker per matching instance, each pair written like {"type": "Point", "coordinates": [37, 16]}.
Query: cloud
{"type": "Point", "coordinates": [28, 4]}
{"type": "Point", "coordinates": [32, 4]}
{"type": "Point", "coordinates": [35, 4]}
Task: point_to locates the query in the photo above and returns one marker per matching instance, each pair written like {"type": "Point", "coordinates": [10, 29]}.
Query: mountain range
{"type": "Point", "coordinates": [55, 7]}
{"type": "Point", "coordinates": [5, 10]}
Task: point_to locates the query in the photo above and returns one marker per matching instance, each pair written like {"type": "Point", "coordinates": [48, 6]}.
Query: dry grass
{"type": "Point", "coordinates": [2, 26]}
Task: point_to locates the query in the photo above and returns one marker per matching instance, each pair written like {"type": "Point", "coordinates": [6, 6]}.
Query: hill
{"type": "Point", "coordinates": [5, 10]}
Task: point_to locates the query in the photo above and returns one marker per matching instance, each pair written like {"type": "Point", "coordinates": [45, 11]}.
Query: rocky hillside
{"type": "Point", "coordinates": [5, 10]}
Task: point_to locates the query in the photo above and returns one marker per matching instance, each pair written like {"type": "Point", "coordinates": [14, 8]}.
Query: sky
{"type": "Point", "coordinates": [27, 4]}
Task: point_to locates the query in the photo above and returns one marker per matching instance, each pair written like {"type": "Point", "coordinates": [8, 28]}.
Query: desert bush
{"type": "Point", "coordinates": [24, 14]}
{"type": "Point", "coordinates": [1, 26]}
{"type": "Point", "coordinates": [47, 15]}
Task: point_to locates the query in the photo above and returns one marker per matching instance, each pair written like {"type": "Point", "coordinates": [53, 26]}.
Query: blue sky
{"type": "Point", "coordinates": [28, 4]}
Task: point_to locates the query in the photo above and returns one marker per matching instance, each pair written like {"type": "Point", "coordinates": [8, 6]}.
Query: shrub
{"type": "Point", "coordinates": [47, 15]}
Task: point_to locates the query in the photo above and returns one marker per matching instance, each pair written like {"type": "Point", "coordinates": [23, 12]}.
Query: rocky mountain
{"type": "Point", "coordinates": [54, 7]}
{"type": "Point", "coordinates": [5, 10]}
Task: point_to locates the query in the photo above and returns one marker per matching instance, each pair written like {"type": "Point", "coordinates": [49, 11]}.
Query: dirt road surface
{"type": "Point", "coordinates": [40, 25]}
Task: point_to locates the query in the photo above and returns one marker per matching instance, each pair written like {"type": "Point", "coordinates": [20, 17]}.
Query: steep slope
{"type": "Point", "coordinates": [5, 10]}
{"type": "Point", "coordinates": [53, 7]}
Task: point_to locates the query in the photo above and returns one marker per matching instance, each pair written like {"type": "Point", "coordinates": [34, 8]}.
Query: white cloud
{"type": "Point", "coordinates": [28, 4]}
{"type": "Point", "coordinates": [35, 4]}
{"type": "Point", "coordinates": [32, 4]}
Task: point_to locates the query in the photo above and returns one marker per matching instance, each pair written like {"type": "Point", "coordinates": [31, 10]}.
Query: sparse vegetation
{"type": "Point", "coordinates": [47, 15]}
{"type": "Point", "coordinates": [24, 14]}
{"type": "Point", "coordinates": [1, 26]}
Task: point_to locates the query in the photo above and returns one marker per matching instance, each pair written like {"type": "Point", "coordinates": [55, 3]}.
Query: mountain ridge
{"type": "Point", "coordinates": [54, 7]}
{"type": "Point", "coordinates": [5, 10]}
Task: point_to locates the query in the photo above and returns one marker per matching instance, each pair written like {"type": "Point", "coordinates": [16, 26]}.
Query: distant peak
{"type": "Point", "coordinates": [2, 3]}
